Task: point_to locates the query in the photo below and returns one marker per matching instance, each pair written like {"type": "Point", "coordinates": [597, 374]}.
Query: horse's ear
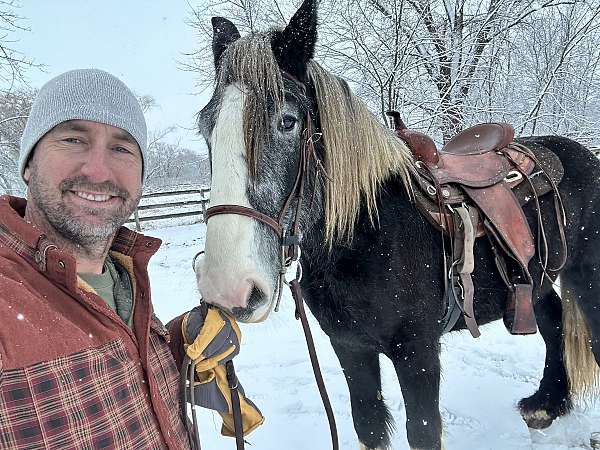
{"type": "Point", "coordinates": [295, 45]}
{"type": "Point", "coordinates": [224, 33]}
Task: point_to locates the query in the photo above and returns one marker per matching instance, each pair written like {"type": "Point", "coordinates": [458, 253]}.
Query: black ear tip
{"type": "Point", "coordinates": [216, 21]}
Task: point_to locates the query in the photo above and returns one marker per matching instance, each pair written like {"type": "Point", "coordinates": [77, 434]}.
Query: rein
{"type": "Point", "coordinates": [290, 258]}
{"type": "Point", "coordinates": [187, 379]}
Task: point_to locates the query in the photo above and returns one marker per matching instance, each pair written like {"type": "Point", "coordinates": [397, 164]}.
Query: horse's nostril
{"type": "Point", "coordinates": [255, 300]}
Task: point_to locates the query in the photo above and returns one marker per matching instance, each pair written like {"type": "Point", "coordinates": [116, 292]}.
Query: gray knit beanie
{"type": "Point", "coordinates": [84, 94]}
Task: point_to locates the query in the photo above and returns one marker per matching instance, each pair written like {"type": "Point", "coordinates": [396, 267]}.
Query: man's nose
{"type": "Point", "coordinates": [96, 165]}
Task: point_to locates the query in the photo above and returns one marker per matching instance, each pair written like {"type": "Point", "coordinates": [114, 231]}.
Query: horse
{"type": "Point", "coordinates": [372, 265]}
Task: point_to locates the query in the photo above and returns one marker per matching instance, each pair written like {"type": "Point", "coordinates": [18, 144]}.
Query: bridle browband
{"type": "Point", "coordinates": [290, 238]}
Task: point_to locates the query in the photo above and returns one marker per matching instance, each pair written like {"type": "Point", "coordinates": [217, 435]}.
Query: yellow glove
{"type": "Point", "coordinates": [211, 338]}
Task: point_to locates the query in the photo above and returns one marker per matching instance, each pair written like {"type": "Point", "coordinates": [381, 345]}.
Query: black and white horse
{"type": "Point", "coordinates": [372, 263]}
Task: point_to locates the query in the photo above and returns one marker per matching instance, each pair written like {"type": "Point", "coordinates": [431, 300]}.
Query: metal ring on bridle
{"type": "Point", "coordinates": [299, 272]}
{"type": "Point", "coordinates": [195, 258]}
{"type": "Point", "coordinates": [297, 276]}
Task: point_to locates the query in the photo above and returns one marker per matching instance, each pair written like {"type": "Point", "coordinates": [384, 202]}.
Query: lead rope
{"type": "Point", "coordinates": [235, 405]}
{"type": "Point", "coordinates": [301, 315]}
{"type": "Point", "coordinates": [292, 280]}
{"type": "Point", "coordinates": [295, 271]}
{"type": "Point", "coordinates": [187, 377]}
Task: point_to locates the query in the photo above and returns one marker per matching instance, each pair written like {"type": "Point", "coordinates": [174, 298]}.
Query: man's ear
{"type": "Point", "coordinates": [27, 174]}
{"type": "Point", "coordinates": [27, 170]}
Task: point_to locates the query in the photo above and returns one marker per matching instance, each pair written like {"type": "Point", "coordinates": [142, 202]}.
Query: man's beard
{"type": "Point", "coordinates": [68, 223]}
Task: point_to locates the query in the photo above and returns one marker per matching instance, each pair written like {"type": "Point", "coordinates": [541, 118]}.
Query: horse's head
{"type": "Point", "coordinates": [254, 126]}
{"type": "Point", "coordinates": [275, 110]}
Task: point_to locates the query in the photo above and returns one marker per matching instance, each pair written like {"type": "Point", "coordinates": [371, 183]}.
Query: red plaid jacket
{"type": "Point", "coordinates": [72, 374]}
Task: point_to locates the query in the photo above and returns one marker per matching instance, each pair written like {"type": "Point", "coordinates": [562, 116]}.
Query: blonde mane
{"type": "Point", "coordinates": [361, 153]}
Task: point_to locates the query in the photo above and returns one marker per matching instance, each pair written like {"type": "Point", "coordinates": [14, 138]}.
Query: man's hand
{"type": "Point", "coordinates": [211, 338]}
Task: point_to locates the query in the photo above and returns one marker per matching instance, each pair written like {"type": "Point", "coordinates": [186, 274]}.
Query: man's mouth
{"type": "Point", "coordinates": [98, 198]}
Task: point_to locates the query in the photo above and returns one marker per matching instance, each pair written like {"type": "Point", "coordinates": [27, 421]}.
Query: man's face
{"type": "Point", "coordinates": [85, 179]}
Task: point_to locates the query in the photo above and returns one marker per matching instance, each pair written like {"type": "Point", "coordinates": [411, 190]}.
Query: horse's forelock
{"type": "Point", "coordinates": [250, 62]}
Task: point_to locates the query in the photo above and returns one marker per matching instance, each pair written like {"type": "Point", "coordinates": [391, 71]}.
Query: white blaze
{"type": "Point", "coordinates": [230, 266]}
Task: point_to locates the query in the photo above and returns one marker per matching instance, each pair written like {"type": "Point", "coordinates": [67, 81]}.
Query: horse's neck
{"type": "Point", "coordinates": [393, 201]}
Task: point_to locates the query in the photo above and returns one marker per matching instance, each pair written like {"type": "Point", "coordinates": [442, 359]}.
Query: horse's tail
{"type": "Point", "coordinates": [583, 372]}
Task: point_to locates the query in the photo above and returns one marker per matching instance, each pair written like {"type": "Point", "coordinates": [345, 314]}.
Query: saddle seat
{"type": "Point", "coordinates": [470, 158]}
{"type": "Point", "coordinates": [476, 140]}
{"type": "Point", "coordinates": [479, 139]}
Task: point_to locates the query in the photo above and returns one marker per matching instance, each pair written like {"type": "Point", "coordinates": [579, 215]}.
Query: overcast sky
{"type": "Point", "coordinates": [139, 41]}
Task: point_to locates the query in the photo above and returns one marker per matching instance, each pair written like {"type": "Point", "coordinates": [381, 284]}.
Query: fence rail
{"type": "Point", "coordinates": [174, 201]}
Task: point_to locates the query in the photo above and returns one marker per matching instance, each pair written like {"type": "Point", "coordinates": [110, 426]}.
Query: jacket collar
{"type": "Point", "coordinates": [57, 264]}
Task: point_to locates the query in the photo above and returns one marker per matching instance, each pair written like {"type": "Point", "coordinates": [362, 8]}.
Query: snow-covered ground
{"type": "Point", "coordinates": [482, 379]}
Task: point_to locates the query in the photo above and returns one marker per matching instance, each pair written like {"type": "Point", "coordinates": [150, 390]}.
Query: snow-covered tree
{"type": "Point", "coordinates": [14, 108]}
{"type": "Point", "coordinates": [447, 64]}
{"type": "Point", "coordinates": [170, 164]}
{"type": "Point", "coordinates": [12, 62]}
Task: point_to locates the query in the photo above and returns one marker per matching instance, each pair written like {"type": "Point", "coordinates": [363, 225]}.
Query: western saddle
{"type": "Point", "coordinates": [465, 189]}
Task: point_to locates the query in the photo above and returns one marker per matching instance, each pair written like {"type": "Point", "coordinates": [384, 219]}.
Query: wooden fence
{"type": "Point", "coordinates": [199, 195]}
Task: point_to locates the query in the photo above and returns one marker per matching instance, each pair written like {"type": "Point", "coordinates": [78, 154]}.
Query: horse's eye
{"type": "Point", "coordinates": [288, 122]}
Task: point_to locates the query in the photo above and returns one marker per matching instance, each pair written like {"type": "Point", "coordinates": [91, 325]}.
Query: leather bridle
{"type": "Point", "coordinates": [290, 237]}
{"type": "Point", "coordinates": [290, 272]}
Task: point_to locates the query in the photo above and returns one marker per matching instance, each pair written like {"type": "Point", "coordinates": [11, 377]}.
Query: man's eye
{"type": "Point", "coordinates": [72, 140]}
{"type": "Point", "coordinates": [120, 149]}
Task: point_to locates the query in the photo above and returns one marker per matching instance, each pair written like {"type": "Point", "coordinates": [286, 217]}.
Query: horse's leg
{"type": "Point", "coordinates": [372, 420]}
{"type": "Point", "coordinates": [417, 365]}
{"type": "Point", "coordinates": [552, 398]}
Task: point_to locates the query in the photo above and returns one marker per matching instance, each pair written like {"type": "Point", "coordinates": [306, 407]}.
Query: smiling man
{"type": "Point", "coordinates": [84, 362]}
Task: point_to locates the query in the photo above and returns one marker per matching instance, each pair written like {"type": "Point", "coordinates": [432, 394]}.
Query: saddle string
{"type": "Point", "coordinates": [541, 234]}
{"type": "Point", "coordinates": [542, 240]}
{"type": "Point", "coordinates": [559, 209]}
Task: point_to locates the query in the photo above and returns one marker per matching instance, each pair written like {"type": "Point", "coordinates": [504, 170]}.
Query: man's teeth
{"type": "Point", "coordinates": [93, 197]}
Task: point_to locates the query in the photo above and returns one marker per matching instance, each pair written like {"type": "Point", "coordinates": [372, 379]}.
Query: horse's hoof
{"type": "Point", "coordinates": [539, 411]}
{"type": "Point", "coordinates": [537, 420]}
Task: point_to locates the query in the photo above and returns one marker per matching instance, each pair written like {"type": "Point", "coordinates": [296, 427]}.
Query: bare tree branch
{"type": "Point", "coordinates": [12, 62]}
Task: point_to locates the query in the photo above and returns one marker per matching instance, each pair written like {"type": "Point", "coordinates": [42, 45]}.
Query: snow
{"type": "Point", "coordinates": [482, 379]}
